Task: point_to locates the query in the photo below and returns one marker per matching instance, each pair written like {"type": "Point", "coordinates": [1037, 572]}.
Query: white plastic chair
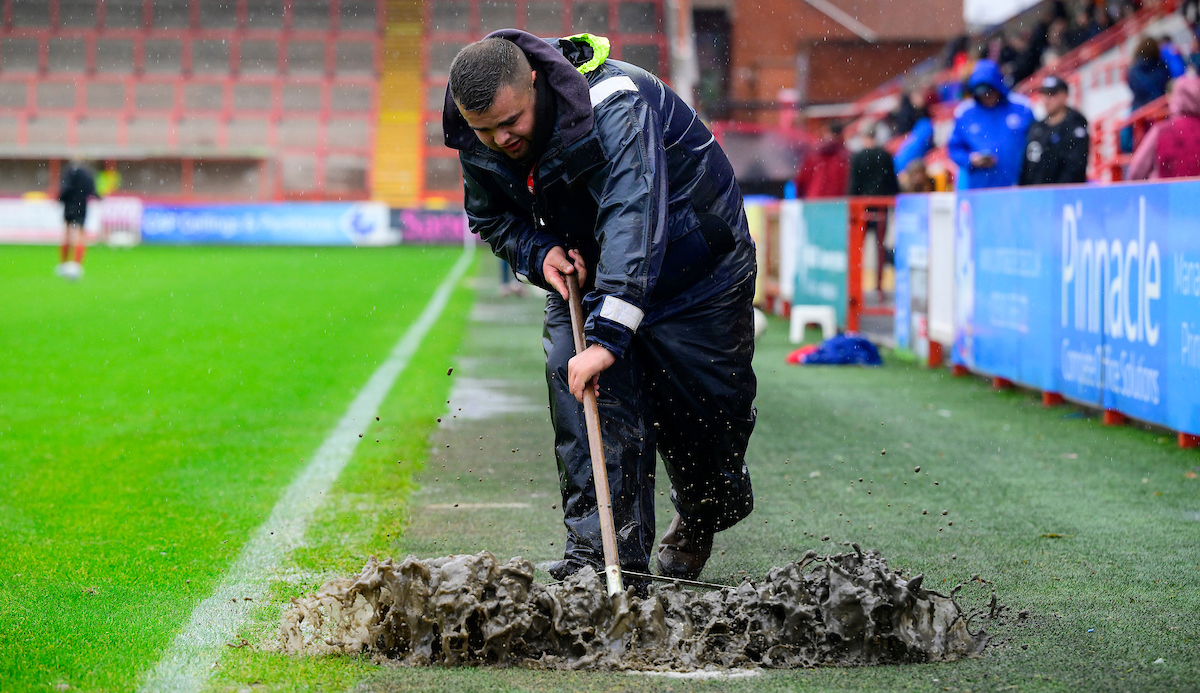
{"type": "Point", "coordinates": [802, 316]}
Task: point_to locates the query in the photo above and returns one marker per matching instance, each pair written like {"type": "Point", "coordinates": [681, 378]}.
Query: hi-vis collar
{"type": "Point", "coordinates": [600, 50]}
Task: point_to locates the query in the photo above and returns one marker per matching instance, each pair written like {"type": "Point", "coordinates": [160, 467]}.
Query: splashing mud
{"type": "Point", "coordinates": [844, 609]}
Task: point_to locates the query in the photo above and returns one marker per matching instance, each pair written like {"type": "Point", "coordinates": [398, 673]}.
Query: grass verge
{"type": "Point", "coordinates": [149, 416]}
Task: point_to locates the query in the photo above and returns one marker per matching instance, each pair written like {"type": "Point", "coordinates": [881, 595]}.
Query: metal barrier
{"type": "Point", "coordinates": [863, 212]}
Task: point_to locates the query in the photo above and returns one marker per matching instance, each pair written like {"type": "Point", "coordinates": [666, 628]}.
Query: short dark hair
{"type": "Point", "coordinates": [1147, 50]}
{"type": "Point", "coordinates": [480, 69]}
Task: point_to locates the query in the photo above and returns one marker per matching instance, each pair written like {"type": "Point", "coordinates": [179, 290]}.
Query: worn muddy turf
{"type": "Point", "coordinates": [1090, 529]}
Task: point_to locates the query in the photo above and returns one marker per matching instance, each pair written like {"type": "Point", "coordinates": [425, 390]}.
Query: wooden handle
{"type": "Point", "coordinates": [591, 414]}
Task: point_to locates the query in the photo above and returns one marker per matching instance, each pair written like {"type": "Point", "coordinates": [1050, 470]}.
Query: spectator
{"type": "Point", "coordinates": [1030, 48]}
{"type": "Point", "coordinates": [1172, 58]}
{"type": "Point", "coordinates": [1148, 77]}
{"type": "Point", "coordinates": [1172, 148]}
{"type": "Point", "coordinates": [1056, 43]}
{"type": "Point", "coordinates": [1056, 149]}
{"type": "Point", "coordinates": [825, 170]}
{"type": "Point", "coordinates": [920, 137]}
{"type": "Point", "coordinates": [988, 142]}
{"type": "Point", "coordinates": [914, 106]}
{"type": "Point", "coordinates": [1085, 27]}
{"type": "Point", "coordinates": [1148, 74]}
{"type": "Point", "coordinates": [872, 173]}
{"type": "Point", "coordinates": [914, 178]}
{"type": "Point", "coordinates": [957, 52]}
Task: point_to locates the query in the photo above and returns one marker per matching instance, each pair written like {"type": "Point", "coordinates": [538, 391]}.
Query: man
{"type": "Point", "coordinates": [573, 163]}
{"type": "Point", "coordinates": [77, 186]}
{"type": "Point", "coordinates": [872, 169]}
{"type": "Point", "coordinates": [826, 168]}
{"type": "Point", "coordinates": [1056, 150]}
{"type": "Point", "coordinates": [988, 142]}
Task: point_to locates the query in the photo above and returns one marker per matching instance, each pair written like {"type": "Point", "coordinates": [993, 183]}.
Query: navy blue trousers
{"type": "Point", "coordinates": [684, 389]}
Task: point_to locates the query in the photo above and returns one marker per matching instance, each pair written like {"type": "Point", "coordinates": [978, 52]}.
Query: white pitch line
{"type": "Point", "coordinates": [187, 664]}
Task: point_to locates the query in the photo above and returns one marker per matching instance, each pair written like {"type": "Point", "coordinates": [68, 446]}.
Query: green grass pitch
{"type": "Point", "coordinates": [151, 414]}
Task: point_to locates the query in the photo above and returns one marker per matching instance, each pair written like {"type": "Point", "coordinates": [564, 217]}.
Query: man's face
{"type": "Point", "coordinates": [987, 97]}
{"type": "Point", "coordinates": [507, 125]}
{"type": "Point", "coordinates": [1055, 102]}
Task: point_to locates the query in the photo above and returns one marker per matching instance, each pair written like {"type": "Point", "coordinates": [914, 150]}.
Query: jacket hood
{"type": "Point", "coordinates": [1185, 96]}
{"type": "Point", "coordinates": [988, 72]}
{"type": "Point", "coordinates": [569, 85]}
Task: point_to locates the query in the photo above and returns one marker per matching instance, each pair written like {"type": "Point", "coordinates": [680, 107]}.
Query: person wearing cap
{"type": "Point", "coordinates": [1056, 150]}
{"type": "Point", "coordinates": [988, 142]}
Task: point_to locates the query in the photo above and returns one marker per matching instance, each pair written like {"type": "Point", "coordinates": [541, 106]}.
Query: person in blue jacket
{"type": "Point", "coordinates": [1172, 57]}
{"type": "Point", "coordinates": [988, 142]}
{"type": "Point", "coordinates": [916, 144]}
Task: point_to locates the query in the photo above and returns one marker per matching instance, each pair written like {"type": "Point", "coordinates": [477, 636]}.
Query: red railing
{"type": "Point", "coordinates": [1108, 162]}
{"type": "Point", "coordinates": [863, 211]}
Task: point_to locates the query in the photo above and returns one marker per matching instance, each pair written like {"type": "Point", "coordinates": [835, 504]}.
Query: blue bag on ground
{"type": "Point", "coordinates": [845, 350]}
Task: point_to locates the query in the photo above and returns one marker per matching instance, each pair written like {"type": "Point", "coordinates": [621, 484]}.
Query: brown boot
{"type": "Point", "coordinates": [683, 551]}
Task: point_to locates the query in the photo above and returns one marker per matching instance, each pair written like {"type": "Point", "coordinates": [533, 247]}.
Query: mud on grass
{"type": "Point", "coordinates": [845, 609]}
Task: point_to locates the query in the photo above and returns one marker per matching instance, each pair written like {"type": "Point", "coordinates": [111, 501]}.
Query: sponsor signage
{"type": "Point", "coordinates": [285, 223]}
{"type": "Point", "coordinates": [821, 264]}
{"type": "Point", "coordinates": [1091, 292]}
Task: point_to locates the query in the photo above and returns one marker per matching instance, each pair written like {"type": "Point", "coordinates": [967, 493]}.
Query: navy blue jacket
{"type": "Point", "coordinates": [999, 131]}
{"type": "Point", "coordinates": [631, 178]}
{"type": "Point", "coordinates": [1148, 81]}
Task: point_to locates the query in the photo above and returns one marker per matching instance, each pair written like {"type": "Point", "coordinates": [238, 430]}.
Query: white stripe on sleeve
{"type": "Point", "coordinates": [621, 312]}
{"type": "Point", "coordinates": [611, 86]}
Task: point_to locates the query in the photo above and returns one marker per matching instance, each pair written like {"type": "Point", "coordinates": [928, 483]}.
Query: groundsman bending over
{"type": "Point", "coordinates": [575, 163]}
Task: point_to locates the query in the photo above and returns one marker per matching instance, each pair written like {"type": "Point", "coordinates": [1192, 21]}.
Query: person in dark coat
{"type": "Point", "coordinates": [576, 163]}
{"type": "Point", "coordinates": [873, 173]}
{"type": "Point", "coordinates": [1148, 74]}
{"type": "Point", "coordinates": [1148, 78]}
{"type": "Point", "coordinates": [1056, 149]}
{"type": "Point", "coordinates": [78, 185]}
{"type": "Point", "coordinates": [872, 169]}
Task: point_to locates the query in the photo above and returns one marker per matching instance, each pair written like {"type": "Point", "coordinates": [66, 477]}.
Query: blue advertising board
{"type": "Point", "coordinates": [284, 223]}
{"type": "Point", "coordinates": [1009, 260]}
{"type": "Point", "coordinates": [911, 250]}
{"type": "Point", "coordinates": [1092, 292]}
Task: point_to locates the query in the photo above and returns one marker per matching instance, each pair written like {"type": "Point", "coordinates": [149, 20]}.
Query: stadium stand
{"type": "Point", "coordinates": [1095, 69]}
{"type": "Point", "coordinates": [193, 99]}
{"type": "Point", "coordinates": [635, 29]}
